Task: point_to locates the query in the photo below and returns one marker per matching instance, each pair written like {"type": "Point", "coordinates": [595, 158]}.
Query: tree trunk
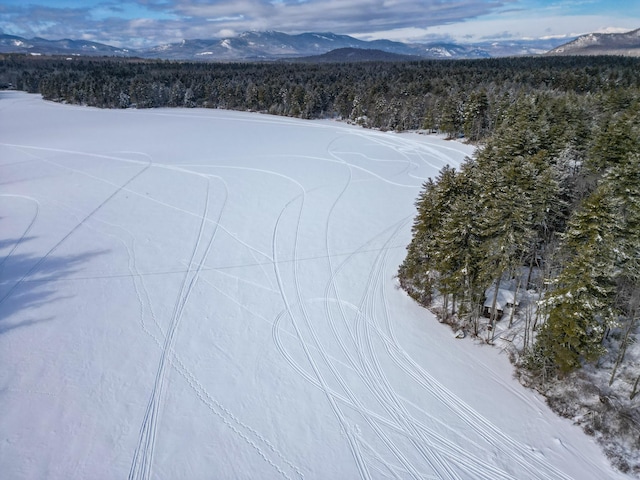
{"type": "Point", "coordinates": [474, 313]}
{"type": "Point", "coordinates": [515, 298]}
{"type": "Point", "coordinates": [623, 349]}
{"type": "Point", "coordinates": [528, 320]}
{"type": "Point", "coordinates": [531, 264]}
{"type": "Point", "coordinates": [453, 304]}
{"type": "Point", "coordinates": [634, 392]}
{"type": "Point", "coordinates": [445, 307]}
{"type": "Point", "coordinates": [492, 317]}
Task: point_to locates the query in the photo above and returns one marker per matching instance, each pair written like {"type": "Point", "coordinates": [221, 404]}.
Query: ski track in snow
{"type": "Point", "coordinates": [143, 457]}
{"type": "Point", "coordinates": [248, 434]}
{"type": "Point", "coordinates": [141, 466]}
{"type": "Point", "coordinates": [438, 453]}
{"type": "Point", "coordinates": [395, 419]}
{"type": "Point", "coordinates": [42, 259]}
{"type": "Point", "coordinates": [434, 461]}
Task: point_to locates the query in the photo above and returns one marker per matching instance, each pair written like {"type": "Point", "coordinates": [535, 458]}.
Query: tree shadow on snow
{"type": "Point", "coordinates": [10, 243]}
{"type": "Point", "coordinates": [28, 282]}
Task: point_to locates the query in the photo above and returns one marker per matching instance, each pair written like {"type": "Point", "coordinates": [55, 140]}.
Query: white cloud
{"type": "Point", "coordinates": [520, 27]}
{"type": "Point", "coordinates": [508, 27]}
{"type": "Point", "coordinates": [403, 20]}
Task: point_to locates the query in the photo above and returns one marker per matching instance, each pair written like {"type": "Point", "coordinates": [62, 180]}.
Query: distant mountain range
{"type": "Point", "coordinates": [252, 46]}
{"type": "Point", "coordinates": [351, 55]}
{"type": "Point", "coordinates": [627, 44]}
{"type": "Point", "coordinates": [269, 46]}
{"type": "Point", "coordinates": [41, 46]}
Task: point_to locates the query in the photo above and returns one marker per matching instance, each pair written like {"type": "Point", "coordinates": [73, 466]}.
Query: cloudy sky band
{"type": "Point", "coordinates": [139, 23]}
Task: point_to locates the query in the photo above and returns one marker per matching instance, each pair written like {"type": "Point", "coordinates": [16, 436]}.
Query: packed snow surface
{"type": "Point", "coordinates": [210, 294]}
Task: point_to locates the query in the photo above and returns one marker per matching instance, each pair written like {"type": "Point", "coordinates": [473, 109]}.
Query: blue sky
{"type": "Point", "coordinates": [138, 23]}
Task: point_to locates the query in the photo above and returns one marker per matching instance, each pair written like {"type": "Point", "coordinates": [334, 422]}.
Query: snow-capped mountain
{"type": "Point", "coordinates": [41, 46]}
{"type": "Point", "coordinates": [271, 45]}
{"type": "Point", "coordinates": [627, 44]}
{"type": "Point", "coordinates": [277, 45]}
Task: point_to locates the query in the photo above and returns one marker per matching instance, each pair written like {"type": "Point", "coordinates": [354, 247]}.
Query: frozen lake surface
{"type": "Point", "coordinates": [210, 294]}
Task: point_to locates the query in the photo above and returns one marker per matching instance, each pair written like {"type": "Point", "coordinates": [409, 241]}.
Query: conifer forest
{"type": "Point", "coordinates": [547, 209]}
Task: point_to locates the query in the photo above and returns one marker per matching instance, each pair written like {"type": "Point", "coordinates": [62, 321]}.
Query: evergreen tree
{"type": "Point", "coordinates": [614, 142]}
{"type": "Point", "coordinates": [624, 182]}
{"type": "Point", "coordinates": [458, 254]}
{"type": "Point", "coordinates": [581, 307]}
{"type": "Point", "coordinates": [418, 271]}
{"type": "Point", "coordinates": [476, 116]}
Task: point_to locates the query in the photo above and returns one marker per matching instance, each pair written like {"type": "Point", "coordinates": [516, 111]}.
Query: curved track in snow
{"type": "Point", "coordinates": [240, 319]}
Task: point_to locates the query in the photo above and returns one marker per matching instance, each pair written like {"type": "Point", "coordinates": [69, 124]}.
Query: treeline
{"type": "Point", "coordinates": [553, 188]}
{"type": "Point", "coordinates": [457, 98]}
{"type": "Point", "coordinates": [550, 203]}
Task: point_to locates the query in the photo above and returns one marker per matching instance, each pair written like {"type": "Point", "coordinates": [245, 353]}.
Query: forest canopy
{"type": "Point", "coordinates": [549, 204]}
{"type": "Point", "coordinates": [456, 97]}
{"type": "Point", "coordinates": [553, 186]}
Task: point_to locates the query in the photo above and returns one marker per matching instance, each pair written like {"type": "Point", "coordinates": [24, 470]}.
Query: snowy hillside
{"type": "Point", "coordinates": [210, 294]}
{"type": "Point", "coordinates": [627, 44]}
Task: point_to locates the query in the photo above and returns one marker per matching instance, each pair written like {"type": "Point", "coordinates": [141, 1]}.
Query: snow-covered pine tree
{"type": "Point", "coordinates": [582, 305]}
{"type": "Point", "coordinates": [624, 181]}
{"type": "Point", "coordinates": [417, 274]}
{"type": "Point", "coordinates": [457, 257]}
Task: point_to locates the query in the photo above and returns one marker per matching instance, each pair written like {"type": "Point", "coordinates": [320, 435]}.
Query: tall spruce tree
{"type": "Point", "coordinates": [417, 272]}
{"type": "Point", "coordinates": [582, 306]}
{"type": "Point", "coordinates": [457, 256]}
{"type": "Point", "coordinates": [624, 182]}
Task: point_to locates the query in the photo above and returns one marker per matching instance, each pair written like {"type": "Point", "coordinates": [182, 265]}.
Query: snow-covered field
{"type": "Point", "coordinates": [209, 294]}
